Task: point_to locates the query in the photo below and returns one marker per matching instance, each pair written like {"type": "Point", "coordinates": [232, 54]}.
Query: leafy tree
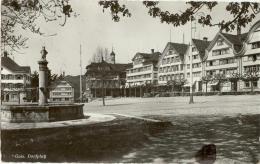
{"type": "Point", "coordinates": [34, 85]}
{"type": "Point", "coordinates": [99, 55]}
{"type": "Point", "coordinates": [242, 13]}
{"type": "Point", "coordinates": [171, 84]}
{"type": "Point", "coordinates": [251, 76]}
{"type": "Point", "coordinates": [25, 14]}
{"type": "Point", "coordinates": [220, 78]}
{"type": "Point", "coordinates": [206, 79]}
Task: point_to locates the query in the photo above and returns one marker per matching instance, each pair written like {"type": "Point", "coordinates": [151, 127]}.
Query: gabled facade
{"type": "Point", "coordinates": [172, 62]}
{"type": "Point", "coordinates": [223, 57]}
{"type": "Point", "coordinates": [144, 70]}
{"type": "Point", "coordinates": [198, 54]}
{"type": "Point", "coordinates": [62, 92]}
{"type": "Point", "coordinates": [251, 58]}
{"type": "Point", "coordinates": [15, 80]}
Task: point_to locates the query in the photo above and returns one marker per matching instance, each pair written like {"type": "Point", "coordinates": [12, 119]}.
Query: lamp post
{"type": "Point", "coordinates": [191, 57]}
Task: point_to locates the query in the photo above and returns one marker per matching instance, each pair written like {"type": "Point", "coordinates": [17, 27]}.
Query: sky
{"type": "Point", "coordinates": [93, 27]}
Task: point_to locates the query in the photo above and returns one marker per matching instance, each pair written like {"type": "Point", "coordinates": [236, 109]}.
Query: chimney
{"type": "Point", "coordinates": [152, 50]}
{"type": "Point", "coordinates": [238, 30]}
{"type": "Point", "coordinates": [5, 54]}
{"type": "Point", "coordinates": [205, 38]}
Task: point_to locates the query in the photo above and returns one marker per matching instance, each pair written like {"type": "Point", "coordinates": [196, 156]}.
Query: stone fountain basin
{"type": "Point", "coordinates": [46, 113]}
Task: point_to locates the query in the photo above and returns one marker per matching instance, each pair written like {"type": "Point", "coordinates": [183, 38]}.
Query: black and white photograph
{"type": "Point", "coordinates": [130, 81]}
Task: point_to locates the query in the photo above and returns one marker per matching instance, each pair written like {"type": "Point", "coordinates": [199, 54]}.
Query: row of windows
{"type": "Point", "coordinates": [172, 68]}
{"type": "Point", "coordinates": [61, 93]}
{"type": "Point", "coordinates": [11, 86]}
{"type": "Point", "coordinates": [170, 77]}
{"type": "Point", "coordinates": [221, 62]}
{"type": "Point", "coordinates": [195, 65]}
{"type": "Point", "coordinates": [254, 68]}
{"type": "Point", "coordinates": [255, 45]}
{"type": "Point", "coordinates": [247, 84]}
{"type": "Point", "coordinates": [63, 89]}
{"type": "Point", "coordinates": [251, 57]}
{"type": "Point", "coordinates": [171, 60]}
{"type": "Point", "coordinates": [220, 52]}
{"type": "Point", "coordinates": [14, 77]}
{"type": "Point", "coordinates": [142, 69]}
{"type": "Point", "coordinates": [222, 71]}
{"type": "Point", "coordinates": [139, 77]}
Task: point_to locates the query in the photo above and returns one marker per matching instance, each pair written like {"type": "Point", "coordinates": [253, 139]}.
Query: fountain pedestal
{"type": "Point", "coordinates": [43, 81]}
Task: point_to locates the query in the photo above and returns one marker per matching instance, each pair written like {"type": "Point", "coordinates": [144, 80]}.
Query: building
{"type": "Point", "coordinates": [15, 80]}
{"type": "Point", "coordinates": [61, 92]}
{"type": "Point", "coordinates": [224, 58]}
{"type": "Point", "coordinates": [250, 60]}
{"type": "Point", "coordinates": [144, 70]}
{"type": "Point", "coordinates": [198, 54]}
{"type": "Point", "coordinates": [172, 63]}
{"type": "Point", "coordinates": [106, 78]}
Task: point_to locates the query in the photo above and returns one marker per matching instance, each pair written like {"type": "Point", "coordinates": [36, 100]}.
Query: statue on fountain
{"type": "Point", "coordinates": [44, 53]}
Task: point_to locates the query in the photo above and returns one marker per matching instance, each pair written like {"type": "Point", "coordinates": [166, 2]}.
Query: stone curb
{"type": "Point", "coordinates": [93, 119]}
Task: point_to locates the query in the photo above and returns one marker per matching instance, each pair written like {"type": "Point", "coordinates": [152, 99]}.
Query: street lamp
{"type": "Point", "coordinates": [191, 57]}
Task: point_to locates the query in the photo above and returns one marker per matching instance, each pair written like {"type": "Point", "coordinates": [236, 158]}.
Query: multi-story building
{"type": "Point", "coordinates": [106, 78]}
{"type": "Point", "coordinates": [251, 56]}
{"type": "Point", "coordinates": [223, 57]}
{"type": "Point", "coordinates": [198, 53]}
{"type": "Point", "coordinates": [172, 62]}
{"type": "Point", "coordinates": [61, 92]}
{"type": "Point", "coordinates": [144, 70]}
{"type": "Point", "coordinates": [15, 80]}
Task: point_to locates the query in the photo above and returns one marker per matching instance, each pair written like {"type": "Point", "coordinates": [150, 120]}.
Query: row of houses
{"type": "Point", "coordinates": [227, 54]}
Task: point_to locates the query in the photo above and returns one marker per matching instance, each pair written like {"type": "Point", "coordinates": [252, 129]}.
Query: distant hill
{"type": "Point", "coordinates": [74, 81]}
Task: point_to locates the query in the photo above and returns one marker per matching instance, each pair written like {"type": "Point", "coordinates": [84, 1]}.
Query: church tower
{"type": "Point", "coordinates": [112, 57]}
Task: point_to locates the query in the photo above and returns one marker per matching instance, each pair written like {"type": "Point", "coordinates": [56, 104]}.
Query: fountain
{"type": "Point", "coordinates": [43, 111]}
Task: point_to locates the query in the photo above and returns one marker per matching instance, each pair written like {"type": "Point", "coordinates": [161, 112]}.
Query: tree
{"type": "Point", "coordinates": [25, 14]}
{"type": "Point", "coordinates": [242, 13]}
{"type": "Point", "coordinates": [34, 85]}
{"type": "Point", "coordinates": [171, 84]}
{"type": "Point", "coordinates": [220, 78]}
{"type": "Point", "coordinates": [99, 55]}
{"type": "Point", "coordinates": [206, 79]}
{"type": "Point", "coordinates": [251, 76]}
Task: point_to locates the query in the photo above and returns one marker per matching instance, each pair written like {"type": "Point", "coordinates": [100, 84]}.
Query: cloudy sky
{"type": "Point", "coordinates": [93, 28]}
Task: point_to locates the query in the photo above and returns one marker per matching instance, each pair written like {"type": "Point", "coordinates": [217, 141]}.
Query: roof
{"type": "Point", "coordinates": [116, 68]}
{"type": "Point", "coordinates": [149, 57]}
{"type": "Point", "coordinates": [236, 40]}
{"type": "Point", "coordinates": [13, 66]}
{"type": "Point", "coordinates": [201, 46]}
{"type": "Point", "coordinates": [57, 82]}
{"type": "Point", "coordinates": [179, 47]}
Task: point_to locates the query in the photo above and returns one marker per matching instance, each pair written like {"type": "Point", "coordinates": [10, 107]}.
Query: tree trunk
{"type": "Point", "coordinates": [103, 96]}
{"type": "Point", "coordinates": [252, 87]}
{"type": "Point", "coordinates": [206, 87]}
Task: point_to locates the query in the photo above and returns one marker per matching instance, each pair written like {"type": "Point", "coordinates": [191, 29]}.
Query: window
{"type": "Point", "coordinates": [188, 66]}
{"type": "Point", "coordinates": [247, 84]}
{"type": "Point", "coordinates": [255, 84]}
{"type": "Point", "coordinates": [220, 42]}
{"type": "Point", "coordinates": [194, 49]}
{"type": "Point", "coordinates": [255, 45]}
{"type": "Point", "coordinates": [195, 56]}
